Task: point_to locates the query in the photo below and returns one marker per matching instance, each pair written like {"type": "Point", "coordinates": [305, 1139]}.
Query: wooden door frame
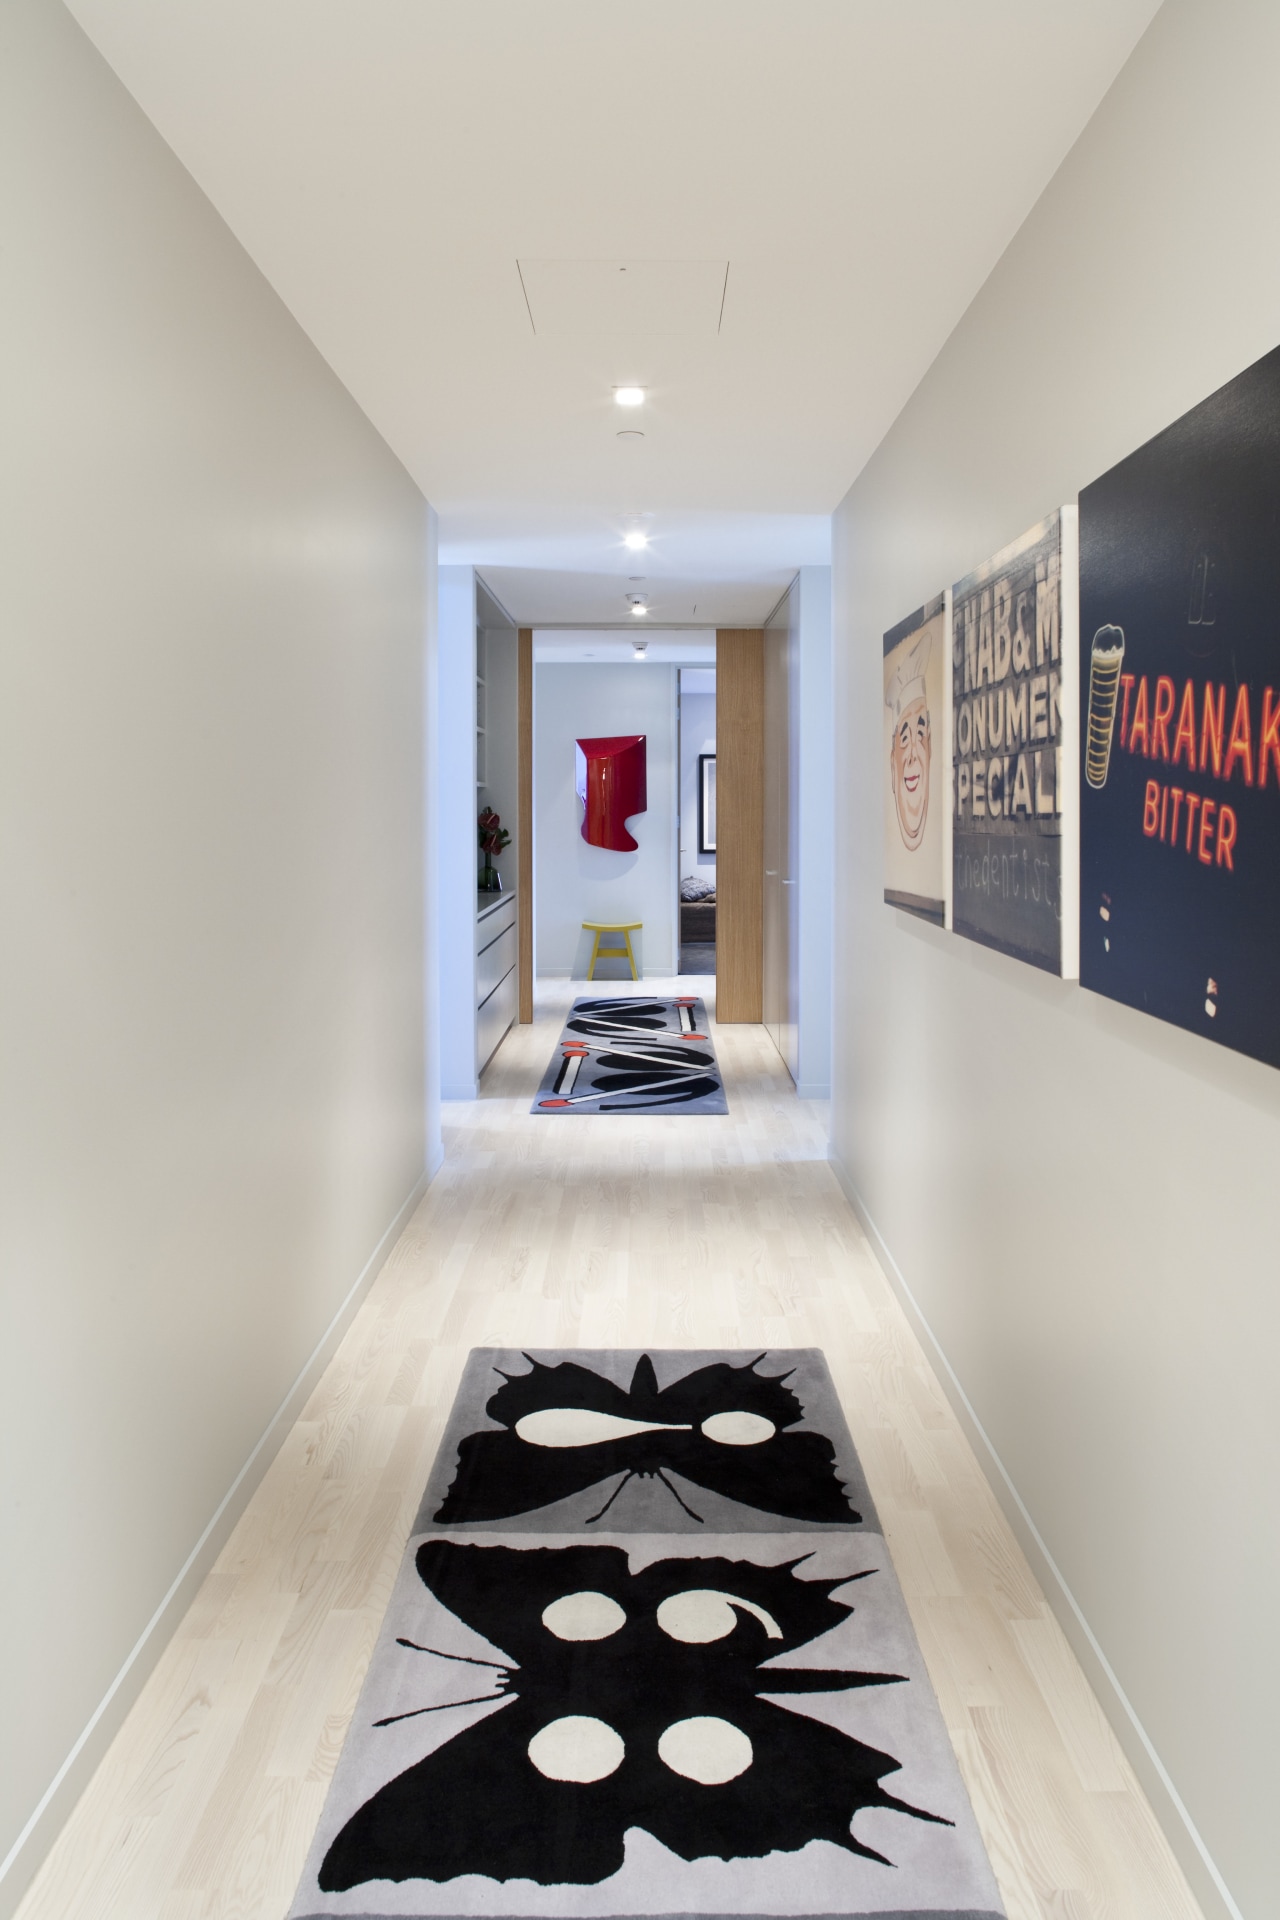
{"type": "Point", "coordinates": [739, 825]}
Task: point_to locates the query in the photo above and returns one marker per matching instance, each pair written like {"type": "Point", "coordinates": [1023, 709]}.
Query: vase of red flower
{"type": "Point", "coordinates": [493, 839]}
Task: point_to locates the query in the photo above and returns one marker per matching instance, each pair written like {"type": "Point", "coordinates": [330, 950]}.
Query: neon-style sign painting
{"type": "Point", "coordinates": [611, 787]}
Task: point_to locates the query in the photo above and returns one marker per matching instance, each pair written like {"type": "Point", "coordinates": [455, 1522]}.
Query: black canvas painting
{"type": "Point", "coordinates": [1180, 746]}
{"type": "Point", "coordinates": [566, 1427]}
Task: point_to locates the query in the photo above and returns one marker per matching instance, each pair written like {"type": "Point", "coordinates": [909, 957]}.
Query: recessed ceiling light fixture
{"type": "Point", "coordinates": [640, 648]}
{"type": "Point", "coordinates": [629, 396]}
{"type": "Point", "coordinates": [635, 541]}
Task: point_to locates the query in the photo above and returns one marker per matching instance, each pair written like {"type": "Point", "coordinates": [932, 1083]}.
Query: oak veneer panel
{"type": "Point", "coordinates": [524, 820]}
{"type": "Point", "coordinates": [739, 825]}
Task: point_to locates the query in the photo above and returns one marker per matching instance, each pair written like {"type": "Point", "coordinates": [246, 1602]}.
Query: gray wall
{"type": "Point", "coordinates": [1080, 1199]}
{"type": "Point", "coordinates": [212, 609]}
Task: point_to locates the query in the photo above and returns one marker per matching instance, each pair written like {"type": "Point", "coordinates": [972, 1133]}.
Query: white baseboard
{"type": "Point", "coordinates": [23, 1860]}
{"type": "Point", "coordinates": [1179, 1828]}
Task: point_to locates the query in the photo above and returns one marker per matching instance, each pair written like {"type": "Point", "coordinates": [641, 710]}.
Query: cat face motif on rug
{"type": "Point", "coordinates": [566, 1428]}
{"type": "Point", "coordinates": [629, 1700]}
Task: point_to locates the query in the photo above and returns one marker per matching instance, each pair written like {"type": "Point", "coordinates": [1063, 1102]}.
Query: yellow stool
{"type": "Point", "coordinates": [626, 928]}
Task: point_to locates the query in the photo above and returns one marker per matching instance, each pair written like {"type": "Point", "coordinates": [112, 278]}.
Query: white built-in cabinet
{"type": "Point", "coordinates": [496, 995]}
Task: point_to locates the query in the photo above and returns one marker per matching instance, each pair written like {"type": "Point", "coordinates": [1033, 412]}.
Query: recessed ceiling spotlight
{"type": "Point", "coordinates": [630, 433]}
{"type": "Point", "coordinates": [635, 542]}
{"type": "Point", "coordinates": [629, 396]}
{"type": "Point", "coordinates": [639, 609]}
{"type": "Point", "coordinates": [640, 648]}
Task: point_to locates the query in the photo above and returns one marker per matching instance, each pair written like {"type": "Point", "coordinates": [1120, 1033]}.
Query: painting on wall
{"type": "Point", "coordinates": [1015, 726]}
{"type": "Point", "coordinates": [1179, 593]}
{"type": "Point", "coordinates": [706, 803]}
{"type": "Point", "coordinates": [916, 837]}
{"type": "Point", "coordinates": [611, 784]}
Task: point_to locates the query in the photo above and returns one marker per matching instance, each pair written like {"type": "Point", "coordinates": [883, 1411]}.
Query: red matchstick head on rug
{"type": "Point", "coordinates": [611, 787]}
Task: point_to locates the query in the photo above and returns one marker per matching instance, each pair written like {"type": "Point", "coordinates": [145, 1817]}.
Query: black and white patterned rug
{"type": "Point", "coordinates": [646, 1656]}
{"type": "Point", "coordinates": [633, 1056]}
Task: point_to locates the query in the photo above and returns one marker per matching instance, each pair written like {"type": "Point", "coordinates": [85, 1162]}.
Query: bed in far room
{"type": "Point", "coordinates": [697, 925]}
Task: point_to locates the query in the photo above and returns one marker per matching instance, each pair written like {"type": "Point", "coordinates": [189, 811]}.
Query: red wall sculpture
{"type": "Point", "coordinates": [611, 787]}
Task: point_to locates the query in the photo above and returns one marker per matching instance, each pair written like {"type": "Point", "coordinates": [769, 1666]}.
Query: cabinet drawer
{"type": "Point", "coordinates": [495, 922]}
{"type": "Point", "coordinates": [493, 962]}
{"type": "Point", "coordinates": [493, 1018]}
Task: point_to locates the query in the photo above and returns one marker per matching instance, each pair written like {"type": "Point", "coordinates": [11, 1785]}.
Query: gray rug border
{"type": "Point", "coordinates": [882, 1913]}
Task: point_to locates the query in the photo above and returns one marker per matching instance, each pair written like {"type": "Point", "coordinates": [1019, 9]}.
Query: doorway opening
{"type": "Point", "coordinates": [697, 720]}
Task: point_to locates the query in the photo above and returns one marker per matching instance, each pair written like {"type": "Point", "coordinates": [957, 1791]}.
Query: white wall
{"type": "Point", "coordinates": [502, 743]}
{"type": "Point", "coordinates": [213, 617]}
{"type": "Point", "coordinates": [575, 882]}
{"type": "Point", "coordinates": [697, 736]}
{"type": "Point", "coordinates": [811, 598]}
{"type": "Point", "coordinates": [1079, 1198]}
{"type": "Point", "coordinates": [780, 930]}
{"type": "Point", "coordinates": [431, 732]}
{"type": "Point", "coordinates": [457, 836]}
{"type": "Point", "coordinates": [802, 623]}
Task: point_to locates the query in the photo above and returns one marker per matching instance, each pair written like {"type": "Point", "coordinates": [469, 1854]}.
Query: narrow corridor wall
{"type": "Point", "coordinates": [1079, 1199]}
{"type": "Point", "coordinates": [212, 616]}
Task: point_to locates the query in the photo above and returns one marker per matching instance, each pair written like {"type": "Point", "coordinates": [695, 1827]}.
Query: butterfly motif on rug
{"type": "Point", "coordinates": [646, 1700]}
{"type": "Point", "coordinates": [565, 1428]}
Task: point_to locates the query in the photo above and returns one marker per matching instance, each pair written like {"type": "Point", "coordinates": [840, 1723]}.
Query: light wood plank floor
{"type": "Point", "coordinates": [678, 1231]}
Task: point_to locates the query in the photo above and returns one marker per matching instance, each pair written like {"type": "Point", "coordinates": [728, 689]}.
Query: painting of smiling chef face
{"type": "Point", "coordinates": [911, 745]}
{"type": "Point", "coordinates": [914, 807]}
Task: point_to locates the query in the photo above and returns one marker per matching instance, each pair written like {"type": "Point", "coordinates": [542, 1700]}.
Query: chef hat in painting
{"type": "Point", "coordinates": [907, 685]}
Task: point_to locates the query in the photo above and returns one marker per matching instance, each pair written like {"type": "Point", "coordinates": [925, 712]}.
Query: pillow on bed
{"type": "Point", "coordinates": [693, 887]}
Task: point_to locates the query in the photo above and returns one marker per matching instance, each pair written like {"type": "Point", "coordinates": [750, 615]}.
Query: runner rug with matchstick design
{"type": "Point", "coordinates": [646, 1657]}
{"type": "Point", "coordinates": [633, 1056]}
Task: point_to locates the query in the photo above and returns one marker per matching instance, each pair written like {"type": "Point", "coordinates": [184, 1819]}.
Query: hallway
{"type": "Point", "coordinates": [669, 1232]}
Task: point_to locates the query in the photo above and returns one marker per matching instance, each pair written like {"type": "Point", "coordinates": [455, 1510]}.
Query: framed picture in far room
{"type": "Point", "coordinates": [706, 803]}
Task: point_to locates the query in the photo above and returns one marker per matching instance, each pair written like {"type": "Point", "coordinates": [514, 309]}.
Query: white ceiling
{"type": "Point", "coordinates": [609, 648]}
{"type": "Point", "coordinates": [555, 597]}
{"type": "Point", "coordinates": [858, 164]}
